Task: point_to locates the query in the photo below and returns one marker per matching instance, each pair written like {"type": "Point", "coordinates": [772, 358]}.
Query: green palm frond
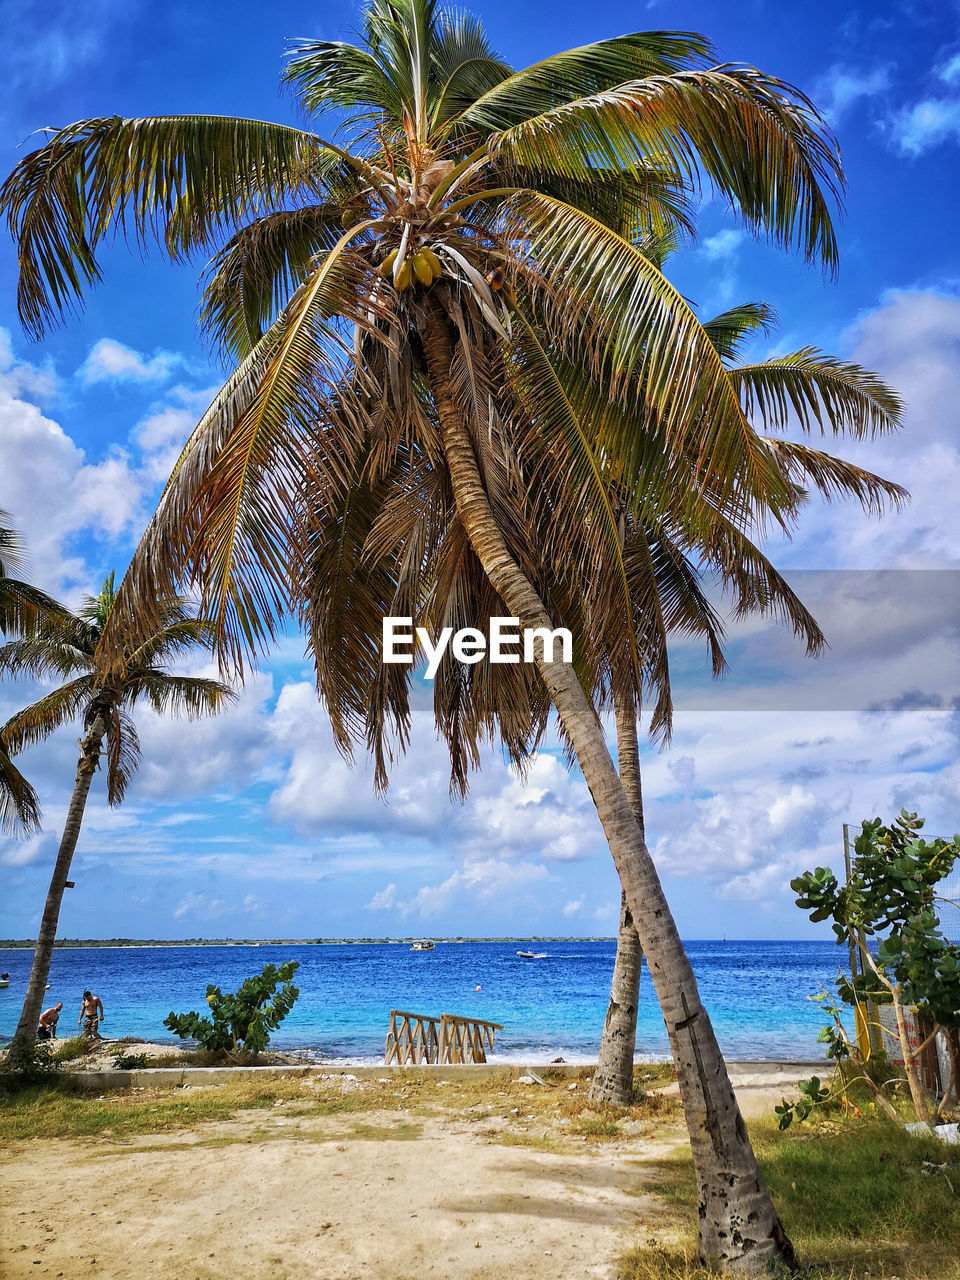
{"type": "Point", "coordinates": [834, 477]}
{"type": "Point", "coordinates": [758, 141]}
{"type": "Point", "coordinates": [179, 636]}
{"type": "Point", "coordinates": [19, 803]}
{"type": "Point", "coordinates": [238, 540]}
{"type": "Point", "coordinates": [11, 548]}
{"type": "Point", "coordinates": [253, 276]}
{"type": "Point", "coordinates": [337, 74]}
{"type": "Point", "coordinates": [189, 697]}
{"type": "Point", "coordinates": [179, 181]}
{"type": "Point", "coordinates": [577, 73]}
{"type": "Point", "coordinates": [48, 652]}
{"type": "Point", "coordinates": [731, 329]}
{"type": "Point", "coordinates": [817, 390]}
{"type": "Point", "coordinates": [464, 66]}
{"type": "Point", "coordinates": [24, 608]}
{"type": "Point", "coordinates": [606, 303]}
{"type": "Point", "coordinates": [34, 723]}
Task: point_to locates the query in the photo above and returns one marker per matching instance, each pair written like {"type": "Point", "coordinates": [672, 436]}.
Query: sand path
{"type": "Point", "coordinates": [274, 1196]}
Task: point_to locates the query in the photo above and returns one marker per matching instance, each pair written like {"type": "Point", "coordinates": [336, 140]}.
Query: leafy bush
{"type": "Point", "coordinates": [26, 1066]}
{"type": "Point", "coordinates": [129, 1061]}
{"type": "Point", "coordinates": [240, 1024]}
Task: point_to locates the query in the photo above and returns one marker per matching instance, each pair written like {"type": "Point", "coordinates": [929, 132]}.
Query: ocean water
{"type": "Point", "coordinates": [757, 993]}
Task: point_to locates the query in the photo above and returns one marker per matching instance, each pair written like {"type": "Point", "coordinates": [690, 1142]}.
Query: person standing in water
{"type": "Point", "coordinates": [91, 1015]}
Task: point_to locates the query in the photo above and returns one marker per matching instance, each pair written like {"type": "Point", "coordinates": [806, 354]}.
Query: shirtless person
{"type": "Point", "coordinates": [91, 1015]}
{"type": "Point", "coordinates": [47, 1026]}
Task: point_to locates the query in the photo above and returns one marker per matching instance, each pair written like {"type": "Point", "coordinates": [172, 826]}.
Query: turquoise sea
{"type": "Point", "coordinates": [756, 993]}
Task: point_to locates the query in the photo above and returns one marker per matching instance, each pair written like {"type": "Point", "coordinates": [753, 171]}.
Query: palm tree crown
{"type": "Point", "coordinates": [67, 649]}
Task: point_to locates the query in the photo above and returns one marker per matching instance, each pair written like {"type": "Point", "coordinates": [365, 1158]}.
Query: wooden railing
{"type": "Point", "coordinates": [417, 1038]}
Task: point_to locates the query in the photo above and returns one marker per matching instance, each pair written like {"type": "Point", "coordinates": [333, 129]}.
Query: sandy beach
{"type": "Point", "coordinates": [354, 1176]}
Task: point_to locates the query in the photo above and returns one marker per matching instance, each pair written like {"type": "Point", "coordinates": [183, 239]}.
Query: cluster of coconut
{"type": "Point", "coordinates": [422, 267]}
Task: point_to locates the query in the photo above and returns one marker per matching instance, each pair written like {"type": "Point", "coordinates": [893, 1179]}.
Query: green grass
{"type": "Point", "coordinates": [853, 1197]}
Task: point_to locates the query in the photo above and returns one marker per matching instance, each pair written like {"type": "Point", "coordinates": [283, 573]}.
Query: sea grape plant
{"type": "Point", "coordinates": [888, 911]}
{"type": "Point", "coordinates": [240, 1024]}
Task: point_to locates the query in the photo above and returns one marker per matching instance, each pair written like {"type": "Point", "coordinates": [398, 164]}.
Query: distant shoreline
{"type": "Point", "coordinates": [131, 944]}
{"type": "Point", "coordinates": [123, 944]}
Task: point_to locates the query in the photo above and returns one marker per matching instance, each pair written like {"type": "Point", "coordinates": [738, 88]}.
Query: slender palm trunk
{"type": "Point", "coordinates": [738, 1226]}
{"type": "Point", "coordinates": [613, 1078]}
{"type": "Point", "coordinates": [26, 1033]}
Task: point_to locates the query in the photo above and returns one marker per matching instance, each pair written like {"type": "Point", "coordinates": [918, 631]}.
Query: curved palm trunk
{"type": "Point", "coordinates": [26, 1033]}
{"type": "Point", "coordinates": [613, 1078]}
{"type": "Point", "coordinates": [738, 1226]}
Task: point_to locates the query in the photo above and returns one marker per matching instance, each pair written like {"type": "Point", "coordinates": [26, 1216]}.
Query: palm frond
{"type": "Point", "coordinates": [35, 723]}
{"type": "Point", "coordinates": [188, 696]}
{"type": "Point", "coordinates": [834, 477]}
{"type": "Point", "coordinates": [178, 181]}
{"type": "Point", "coordinates": [815, 389]}
{"type": "Point", "coordinates": [729, 330]}
{"type": "Point", "coordinates": [253, 276]}
{"type": "Point", "coordinates": [19, 803]}
{"type": "Point", "coordinates": [609, 306]}
{"type": "Point", "coordinates": [576, 73]}
{"type": "Point", "coordinates": [464, 66]}
{"type": "Point", "coordinates": [758, 141]}
{"type": "Point", "coordinates": [123, 754]}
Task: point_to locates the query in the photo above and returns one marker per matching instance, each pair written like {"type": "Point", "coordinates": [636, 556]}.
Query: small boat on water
{"type": "Point", "coordinates": [423, 944]}
{"type": "Point", "coordinates": [5, 980]}
{"type": "Point", "coordinates": [532, 955]}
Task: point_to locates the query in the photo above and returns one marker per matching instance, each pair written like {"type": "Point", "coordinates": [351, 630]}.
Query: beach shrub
{"type": "Point", "coordinates": [886, 913]}
{"type": "Point", "coordinates": [130, 1061]}
{"type": "Point", "coordinates": [239, 1025]}
{"type": "Point", "coordinates": [28, 1065]}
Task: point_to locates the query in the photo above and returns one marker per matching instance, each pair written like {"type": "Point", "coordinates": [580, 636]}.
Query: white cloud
{"type": "Point", "coordinates": [484, 880]}
{"type": "Point", "coordinates": [950, 73]}
{"type": "Point", "coordinates": [111, 361]}
{"type": "Point", "coordinates": [841, 87]}
{"type": "Point", "coordinates": [385, 900]}
{"type": "Point", "coordinates": [199, 906]}
{"type": "Point", "coordinates": [725, 244]}
{"type": "Point", "coordinates": [926, 124]}
{"type": "Point", "coordinates": [574, 907]}
{"type": "Point", "coordinates": [53, 492]}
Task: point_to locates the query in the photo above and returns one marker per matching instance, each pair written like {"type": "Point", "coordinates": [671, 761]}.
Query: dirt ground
{"type": "Point", "coordinates": [338, 1197]}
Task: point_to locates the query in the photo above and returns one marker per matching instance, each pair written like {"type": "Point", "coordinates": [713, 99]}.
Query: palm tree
{"type": "Point", "coordinates": [822, 393]}
{"type": "Point", "coordinates": [22, 607]}
{"type": "Point", "coordinates": [468, 229]}
{"type": "Point", "coordinates": [102, 697]}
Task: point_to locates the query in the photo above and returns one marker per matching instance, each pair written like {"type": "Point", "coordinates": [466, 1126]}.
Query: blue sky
{"type": "Point", "coordinates": [251, 825]}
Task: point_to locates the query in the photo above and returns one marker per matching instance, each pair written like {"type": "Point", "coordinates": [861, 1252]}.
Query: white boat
{"type": "Point", "coordinates": [423, 944]}
{"type": "Point", "coordinates": [532, 955]}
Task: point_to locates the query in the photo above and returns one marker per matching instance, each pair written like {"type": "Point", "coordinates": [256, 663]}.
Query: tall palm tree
{"type": "Point", "coordinates": [102, 697]}
{"type": "Point", "coordinates": [811, 391]}
{"type": "Point", "coordinates": [22, 607]}
{"type": "Point", "coordinates": [466, 228]}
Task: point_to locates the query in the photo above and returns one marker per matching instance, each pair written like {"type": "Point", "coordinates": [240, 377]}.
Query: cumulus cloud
{"type": "Point", "coordinates": [54, 492]}
{"type": "Point", "coordinates": [199, 906]}
{"type": "Point", "coordinates": [483, 880]}
{"type": "Point", "coordinates": [841, 87]}
{"type": "Point", "coordinates": [926, 124]}
{"type": "Point", "coordinates": [934, 120]}
{"type": "Point", "coordinates": [112, 361]}
{"type": "Point", "coordinates": [384, 900]}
